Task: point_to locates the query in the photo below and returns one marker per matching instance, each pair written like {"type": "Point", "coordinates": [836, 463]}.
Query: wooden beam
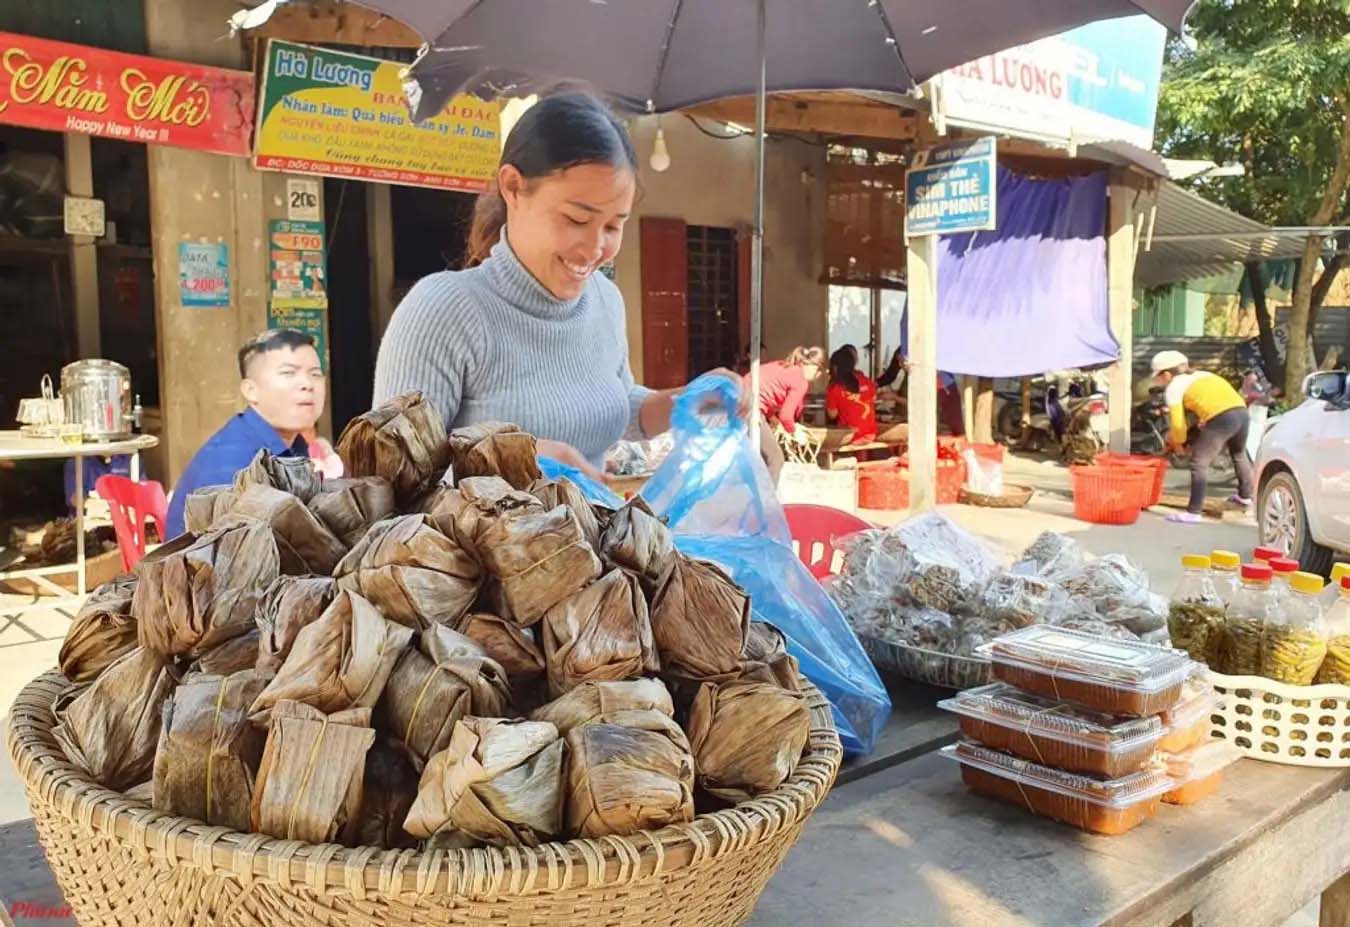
{"type": "Point", "coordinates": [826, 116]}
{"type": "Point", "coordinates": [83, 250]}
{"type": "Point", "coordinates": [332, 22]}
{"type": "Point", "coordinates": [380, 244]}
{"type": "Point", "coordinates": [922, 321]}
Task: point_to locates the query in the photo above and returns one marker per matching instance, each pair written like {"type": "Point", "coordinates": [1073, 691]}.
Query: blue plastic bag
{"type": "Point", "coordinates": [593, 491]}
{"type": "Point", "coordinates": [718, 498]}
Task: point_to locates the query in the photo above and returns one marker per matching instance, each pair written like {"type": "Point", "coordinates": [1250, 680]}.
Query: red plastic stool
{"type": "Point", "coordinates": [813, 526]}
{"type": "Point", "coordinates": [130, 504]}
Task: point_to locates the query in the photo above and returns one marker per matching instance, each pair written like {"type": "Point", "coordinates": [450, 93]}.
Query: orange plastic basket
{"type": "Point", "coordinates": [1156, 466]}
{"type": "Point", "coordinates": [883, 485]}
{"type": "Point", "coordinates": [1110, 495]}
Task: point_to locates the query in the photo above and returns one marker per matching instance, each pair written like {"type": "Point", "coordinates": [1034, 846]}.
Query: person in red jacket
{"type": "Point", "coordinates": [783, 386]}
{"type": "Point", "coordinates": [851, 400]}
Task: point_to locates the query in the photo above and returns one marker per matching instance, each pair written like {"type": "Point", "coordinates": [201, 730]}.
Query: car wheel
{"type": "Point", "coordinates": [1282, 521]}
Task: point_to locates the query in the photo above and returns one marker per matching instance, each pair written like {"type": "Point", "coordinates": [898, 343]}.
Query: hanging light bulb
{"type": "Point", "coordinates": [660, 160]}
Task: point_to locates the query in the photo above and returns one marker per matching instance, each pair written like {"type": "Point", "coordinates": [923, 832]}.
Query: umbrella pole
{"type": "Point", "coordinates": [757, 236]}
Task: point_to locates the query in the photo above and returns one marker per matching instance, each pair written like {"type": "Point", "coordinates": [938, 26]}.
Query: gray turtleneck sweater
{"type": "Point", "coordinates": [492, 344]}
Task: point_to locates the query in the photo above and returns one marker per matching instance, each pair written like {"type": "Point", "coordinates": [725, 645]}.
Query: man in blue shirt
{"type": "Point", "coordinates": [283, 383]}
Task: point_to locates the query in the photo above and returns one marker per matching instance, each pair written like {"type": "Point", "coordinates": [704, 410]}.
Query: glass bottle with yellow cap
{"type": "Point", "coordinates": [1332, 593]}
{"type": "Point", "coordinates": [1195, 612]}
{"type": "Point", "coordinates": [1224, 565]}
{"type": "Point", "coordinates": [1336, 624]}
{"type": "Point", "coordinates": [1294, 643]}
{"type": "Point", "coordinates": [1244, 622]}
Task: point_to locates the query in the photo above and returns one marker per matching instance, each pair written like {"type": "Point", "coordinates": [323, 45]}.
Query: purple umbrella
{"type": "Point", "coordinates": [660, 55]}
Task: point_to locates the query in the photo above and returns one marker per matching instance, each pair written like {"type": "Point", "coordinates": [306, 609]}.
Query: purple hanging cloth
{"type": "Point", "coordinates": [1030, 296]}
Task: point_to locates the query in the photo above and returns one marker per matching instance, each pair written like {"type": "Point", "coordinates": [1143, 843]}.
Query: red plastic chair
{"type": "Point", "coordinates": [813, 528]}
{"type": "Point", "coordinates": [130, 504]}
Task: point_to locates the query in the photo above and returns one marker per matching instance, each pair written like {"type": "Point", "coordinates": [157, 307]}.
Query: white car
{"type": "Point", "coordinates": [1303, 475]}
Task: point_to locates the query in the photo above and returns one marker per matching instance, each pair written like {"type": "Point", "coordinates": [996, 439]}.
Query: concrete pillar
{"type": "Point", "coordinates": [83, 250]}
{"type": "Point", "coordinates": [1120, 255]}
{"type": "Point", "coordinates": [922, 322]}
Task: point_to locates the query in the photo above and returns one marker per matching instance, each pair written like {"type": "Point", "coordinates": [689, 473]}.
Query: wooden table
{"type": "Point", "coordinates": [15, 446]}
{"type": "Point", "coordinates": [905, 845]}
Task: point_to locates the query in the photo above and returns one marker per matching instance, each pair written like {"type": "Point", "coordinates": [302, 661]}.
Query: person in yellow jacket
{"type": "Point", "coordinates": [1224, 421]}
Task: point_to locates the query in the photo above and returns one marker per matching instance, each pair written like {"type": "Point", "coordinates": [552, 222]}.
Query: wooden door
{"type": "Point", "coordinates": [665, 317]}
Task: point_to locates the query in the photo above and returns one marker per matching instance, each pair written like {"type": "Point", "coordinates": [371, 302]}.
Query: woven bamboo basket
{"type": "Point", "coordinates": [122, 863]}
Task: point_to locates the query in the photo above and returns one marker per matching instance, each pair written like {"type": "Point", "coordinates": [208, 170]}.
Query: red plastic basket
{"type": "Point", "coordinates": [1156, 467]}
{"type": "Point", "coordinates": [1109, 495]}
{"type": "Point", "coordinates": [883, 485]}
{"type": "Point", "coordinates": [951, 475]}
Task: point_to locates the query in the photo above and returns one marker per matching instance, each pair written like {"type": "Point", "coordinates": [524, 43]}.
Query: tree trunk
{"type": "Point", "coordinates": [1296, 361]}
{"type": "Point", "coordinates": [1265, 327]}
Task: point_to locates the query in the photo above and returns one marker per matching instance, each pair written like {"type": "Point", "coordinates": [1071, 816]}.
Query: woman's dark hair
{"type": "Point", "coordinates": [558, 132]}
{"type": "Point", "coordinates": [844, 368]}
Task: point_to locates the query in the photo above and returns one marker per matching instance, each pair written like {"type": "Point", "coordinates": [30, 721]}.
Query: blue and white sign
{"type": "Point", "coordinates": [1098, 82]}
{"type": "Point", "coordinates": [952, 188]}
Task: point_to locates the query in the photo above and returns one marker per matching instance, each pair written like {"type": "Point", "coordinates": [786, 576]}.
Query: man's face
{"type": "Point", "coordinates": [286, 386]}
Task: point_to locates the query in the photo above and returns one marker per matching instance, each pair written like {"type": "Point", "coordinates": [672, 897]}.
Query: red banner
{"type": "Point", "coordinates": [75, 88]}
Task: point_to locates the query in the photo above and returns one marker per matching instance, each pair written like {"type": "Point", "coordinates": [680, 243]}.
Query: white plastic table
{"type": "Point", "coordinates": [15, 446]}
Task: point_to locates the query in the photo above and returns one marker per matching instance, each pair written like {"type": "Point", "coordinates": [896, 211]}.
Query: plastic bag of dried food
{"type": "Point", "coordinates": [194, 593]}
{"type": "Point", "coordinates": [700, 619]}
{"type": "Point", "coordinates": [446, 678]}
{"type": "Point", "coordinates": [539, 558]}
{"type": "Point", "coordinates": [499, 782]}
{"type": "Point", "coordinates": [591, 700]}
{"type": "Point", "coordinates": [1051, 553]}
{"type": "Point", "coordinates": [403, 441]}
{"type": "Point", "coordinates": [943, 565]}
{"type": "Point", "coordinates": [110, 728]}
{"type": "Point", "coordinates": [103, 631]}
{"type": "Point", "coordinates": [349, 506]}
{"type": "Point", "coordinates": [767, 659]}
{"type": "Point", "coordinates": [291, 603]}
{"type": "Point", "coordinates": [602, 632]}
{"type": "Point", "coordinates": [294, 475]}
{"type": "Point", "coordinates": [208, 751]}
{"type": "Point", "coordinates": [312, 774]}
{"type": "Point", "coordinates": [304, 543]}
{"type": "Point", "coordinates": [494, 449]}
{"type": "Point", "coordinates": [624, 778]}
{"type": "Point", "coordinates": [341, 661]}
{"type": "Point", "coordinates": [746, 737]}
{"type": "Point", "coordinates": [1118, 590]}
{"type": "Point", "coordinates": [1018, 600]}
{"type": "Point", "coordinates": [233, 656]}
{"type": "Point", "coordinates": [205, 506]}
{"type": "Point", "coordinates": [413, 573]}
{"type": "Point", "coordinates": [635, 539]}
{"type": "Point", "coordinates": [562, 491]}
{"type": "Point", "coordinates": [390, 787]}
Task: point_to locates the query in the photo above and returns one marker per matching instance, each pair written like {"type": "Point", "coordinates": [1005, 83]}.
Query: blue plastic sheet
{"type": "Point", "coordinates": [718, 498]}
{"type": "Point", "coordinates": [593, 491]}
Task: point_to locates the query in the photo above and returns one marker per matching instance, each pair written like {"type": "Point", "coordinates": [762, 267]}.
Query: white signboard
{"type": "Point", "coordinates": [1095, 83]}
{"type": "Point", "coordinates": [302, 199]}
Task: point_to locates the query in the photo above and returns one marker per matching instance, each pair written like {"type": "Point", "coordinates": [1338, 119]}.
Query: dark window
{"type": "Point", "coordinates": [712, 282]}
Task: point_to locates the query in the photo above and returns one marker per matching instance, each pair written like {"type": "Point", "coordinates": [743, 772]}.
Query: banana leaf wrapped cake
{"type": "Point", "coordinates": [403, 441]}
{"type": "Point", "coordinates": [103, 631]}
{"type": "Point", "coordinates": [494, 449]}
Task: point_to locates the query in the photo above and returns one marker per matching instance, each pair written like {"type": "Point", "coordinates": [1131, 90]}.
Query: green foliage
{"type": "Point", "coordinates": [1266, 85]}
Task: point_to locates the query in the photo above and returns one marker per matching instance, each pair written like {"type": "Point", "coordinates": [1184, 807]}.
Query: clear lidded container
{"type": "Point", "coordinates": [1225, 566]}
{"type": "Point", "coordinates": [1336, 626]}
{"type": "Point", "coordinates": [1189, 723]}
{"type": "Point", "coordinates": [1294, 642]}
{"type": "Point", "coordinates": [1055, 733]}
{"type": "Point", "coordinates": [1113, 676]}
{"type": "Point", "coordinates": [1244, 622]}
{"type": "Point", "coordinates": [1195, 612]}
{"type": "Point", "coordinates": [1101, 806]}
{"type": "Point", "coordinates": [1198, 772]}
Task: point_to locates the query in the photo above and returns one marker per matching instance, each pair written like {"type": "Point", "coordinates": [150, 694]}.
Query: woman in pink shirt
{"type": "Point", "coordinates": [783, 386]}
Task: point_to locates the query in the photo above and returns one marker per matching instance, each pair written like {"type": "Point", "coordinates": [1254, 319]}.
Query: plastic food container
{"type": "Point", "coordinates": [1113, 676]}
{"type": "Point", "coordinates": [1189, 722]}
{"type": "Point", "coordinates": [1055, 733]}
{"type": "Point", "coordinates": [1109, 807]}
{"type": "Point", "coordinates": [1198, 772]}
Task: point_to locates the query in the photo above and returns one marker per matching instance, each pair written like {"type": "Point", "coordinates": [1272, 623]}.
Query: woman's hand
{"type": "Point", "coordinates": [565, 453]}
{"type": "Point", "coordinates": [745, 406]}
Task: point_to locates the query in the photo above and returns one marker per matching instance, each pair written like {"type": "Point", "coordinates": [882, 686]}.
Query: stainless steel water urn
{"type": "Point", "coordinates": [97, 396]}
